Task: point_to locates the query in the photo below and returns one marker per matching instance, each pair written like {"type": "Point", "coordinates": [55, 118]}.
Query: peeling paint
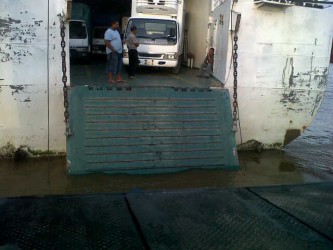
{"type": "Point", "coordinates": [298, 87]}
{"type": "Point", "coordinates": [5, 25]}
{"type": "Point", "coordinates": [14, 31]}
{"type": "Point", "coordinates": [318, 100]}
{"type": "Point", "coordinates": [291, 77]}
{"type": "Point", "coordinates": [289, 96]}
{"type": "Point", "coordinates": [5, 56]}
{"type": "Point", "coordinates": [16, 88]}
{"type": "Point", "coordinates": [315, 77]}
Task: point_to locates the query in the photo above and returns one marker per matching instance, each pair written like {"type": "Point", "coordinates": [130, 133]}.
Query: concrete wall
{"type": "Point", "coordinates": [197, 19]}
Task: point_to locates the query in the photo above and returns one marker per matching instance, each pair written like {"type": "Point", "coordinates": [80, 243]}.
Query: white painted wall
{"type": "Point", "coordinates": [197, 18]}
{"type": "Point", "coordinates": [31, 104]}
{"type": "Point", "coordinates": [277, 45]}
{"type": "Point", "coordinates": [220, 39]}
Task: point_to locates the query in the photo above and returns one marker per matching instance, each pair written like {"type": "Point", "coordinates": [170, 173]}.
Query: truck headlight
{"type": "Point", "coordinates": [170, 56]}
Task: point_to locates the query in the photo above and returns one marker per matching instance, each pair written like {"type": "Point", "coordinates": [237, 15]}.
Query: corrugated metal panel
{"type": "Point", "coordinates": [149, 130]}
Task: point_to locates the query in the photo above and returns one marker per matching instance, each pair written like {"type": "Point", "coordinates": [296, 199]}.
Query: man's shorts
{"type": "Point", "coordinates": [114, 63]}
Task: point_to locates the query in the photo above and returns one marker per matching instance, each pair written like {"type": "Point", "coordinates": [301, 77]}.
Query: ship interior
{"type": "Point", "coordinates": [93, 70]}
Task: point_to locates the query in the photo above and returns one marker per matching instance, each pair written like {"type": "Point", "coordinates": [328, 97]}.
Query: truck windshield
{"type": "Point", "coordinates": [77, 30]}
{"type": "Point", "coordinates": [163, 32]}
{"type": "Point", "coordinates": [99, 32]}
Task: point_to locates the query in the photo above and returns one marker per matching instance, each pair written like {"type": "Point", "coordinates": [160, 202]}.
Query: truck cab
{"type": "Point", "coordinates": [159, 32]}
{"type": "Point", "coordinates": [78, 39]}
{"type": "Point", "coordinates": [98, 45]}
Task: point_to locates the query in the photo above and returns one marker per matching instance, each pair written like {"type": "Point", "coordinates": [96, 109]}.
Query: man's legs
{"type": "Point", "coordinates": [131, 59]}
{"type": "Point", "coordinates": [209, 70]}
{"type": "Point", "coordinates": [119, 67]}
{"type": "Point", "coordinates": [111, 66]}
{"type": "Point", "coordinates": [202, 69]}
{"type": "Point", "coordinates": [136, 61]}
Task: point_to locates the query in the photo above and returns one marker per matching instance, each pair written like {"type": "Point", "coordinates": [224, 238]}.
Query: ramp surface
{"type": "Point", "coordinates": [149, 130]}
{"type": "Point", "coordinates": [313, 204]}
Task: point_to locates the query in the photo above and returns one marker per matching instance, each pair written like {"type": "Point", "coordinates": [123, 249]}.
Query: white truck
{"type": "Point", "coordinates": [98, 45]}
{"type": "Point", "coordinates": [160, 25]}
{"type": "Point", "coordinates": [80, 31]}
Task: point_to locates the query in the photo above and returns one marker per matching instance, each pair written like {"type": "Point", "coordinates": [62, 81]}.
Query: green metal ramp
{"type": "Point", "coordinates": [149, 130]}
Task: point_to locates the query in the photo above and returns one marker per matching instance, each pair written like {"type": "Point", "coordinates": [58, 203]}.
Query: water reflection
{"type": "Point", "coordinates": [44, 177]}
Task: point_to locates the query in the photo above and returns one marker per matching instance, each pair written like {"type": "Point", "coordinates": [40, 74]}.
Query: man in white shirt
{"type": "Point", "coordinates": [114, 50]}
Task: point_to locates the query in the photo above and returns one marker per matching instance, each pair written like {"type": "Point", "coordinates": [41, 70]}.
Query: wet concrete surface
{"type": "Point", "coordinates": [48, 177]}
{"type": "Point", "coordinates": [308, 159]}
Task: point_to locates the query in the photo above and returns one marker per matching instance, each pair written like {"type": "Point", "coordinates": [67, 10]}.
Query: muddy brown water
{"type": "Point", "coordinates": [308, 159]}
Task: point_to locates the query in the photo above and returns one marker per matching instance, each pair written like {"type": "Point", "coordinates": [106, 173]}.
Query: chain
{"type": "Point", "coordinates": [235, 102]}
{"type": "Point", "coordinates": [64, 74]}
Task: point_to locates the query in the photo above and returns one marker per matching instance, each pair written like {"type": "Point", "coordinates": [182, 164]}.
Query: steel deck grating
{"type": "Point", "coordinates": [87, 222]}
{"type": "Point", "coordinates": [219, 219]}
{"type": "Point", "coordinates": [191, 219]}
{"type": "Point", "coordinates": [312, 204]}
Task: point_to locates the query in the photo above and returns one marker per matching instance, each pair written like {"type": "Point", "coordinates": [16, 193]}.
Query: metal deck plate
{"type": "Point", "coordinates": [149, 130]}
{"type": "Point", "coordinates": [98, 222]}
{"type": "Point", "coordinates": [311, 203]}
{"type": "Point", "coordinates": [219, 219]}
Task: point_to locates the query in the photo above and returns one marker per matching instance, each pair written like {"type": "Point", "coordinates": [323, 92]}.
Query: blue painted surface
{"type": "Point", "coordinates": [149, 130]}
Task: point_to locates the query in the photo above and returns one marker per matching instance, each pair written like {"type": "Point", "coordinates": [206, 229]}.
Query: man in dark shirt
{"type": "Point", "coordinates": [206, 68]}
{"type": "Point", "coordinates": [132, 44]}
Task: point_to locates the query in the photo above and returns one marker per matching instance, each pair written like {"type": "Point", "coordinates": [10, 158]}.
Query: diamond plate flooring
{"type": "Point", "coordinates": [282, 217]}
{"type": "Point", "coordinates": [219, 219]}
{"type": "Point", "coordinates": [86, 222]}
{"type": "Point", "coordinates": [312, 203]}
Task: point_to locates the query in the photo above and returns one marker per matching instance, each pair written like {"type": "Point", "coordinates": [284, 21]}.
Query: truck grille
{"type": "Point", "coordinates": [161, 2]}
{"type": "Point", "coordinates": [147, 55]}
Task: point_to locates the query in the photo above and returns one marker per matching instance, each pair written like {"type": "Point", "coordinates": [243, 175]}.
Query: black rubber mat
{"type": "Point", "coordinates": [219, 219]}
{"type": "Point", "coordinates": [312, 203]}
{"type": "Point", "coordinates": [98, 222]}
